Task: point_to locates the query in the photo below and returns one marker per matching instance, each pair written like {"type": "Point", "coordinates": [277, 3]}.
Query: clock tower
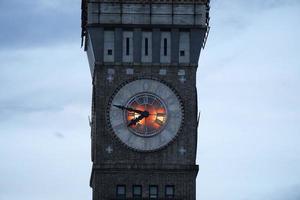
{"type": "Point", "coordinates": [143, 57]}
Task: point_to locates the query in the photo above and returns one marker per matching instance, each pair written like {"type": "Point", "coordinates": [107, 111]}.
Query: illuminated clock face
{"type": "Point", "coordinates": [155, 109]}
{"type": "Point", "coordinates": [145, 114]}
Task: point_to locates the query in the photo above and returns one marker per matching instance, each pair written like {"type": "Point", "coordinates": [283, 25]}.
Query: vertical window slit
{"type": "Point", "coordinates": [146, 46]}
{"type": "Point", "coordinates": [127, 46]}
{"type": "Point", "coordinates": [165, 47]}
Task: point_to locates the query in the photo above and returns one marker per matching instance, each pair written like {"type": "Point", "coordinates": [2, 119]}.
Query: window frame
{"type": "Point", "coordinates": [137, 196]}
{"type": "Point", "coordinates": [121, 196]}
{"type": "Point", "coordinates": [150, 186]}
{"type": "Point", "coordinates": [167, 196]}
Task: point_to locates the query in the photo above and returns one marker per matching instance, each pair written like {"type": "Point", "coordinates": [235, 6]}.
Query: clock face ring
{"type": "Point", "coordinates": [145, 114]}
{"type": "Point", "coordinates": [157, 114]}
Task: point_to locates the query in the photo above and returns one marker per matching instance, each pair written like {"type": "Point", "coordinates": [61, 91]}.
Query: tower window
{"type": "Point", "coordinates": [146, 46]}
{"type": "Point", "coordinates": [182, 53]}
{"type": "Point", "coordinates": [153, 191]}
{"type": "Point", "coordinates": [169, 192]}
{"type": "Point", "coordinates": [109, 41]}
{"type": "Point", "coordinates": [165, 46]}
{"type": "Point", "coordinates": [137, 192]}
{"type": "Point", "coordinates": [127, 46]}
{"type": "Point", "coordinates": [184, 46]}
{"type": "Point", "coordinates": [121, 192]}
{"type": "Point", "coordinates": [146, 49]}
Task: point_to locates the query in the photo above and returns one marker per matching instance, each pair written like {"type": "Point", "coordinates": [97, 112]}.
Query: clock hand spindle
{"type": "Point", "coordinates": [143, 115]}
{"type": "Point", "coordinates": [135, 120]}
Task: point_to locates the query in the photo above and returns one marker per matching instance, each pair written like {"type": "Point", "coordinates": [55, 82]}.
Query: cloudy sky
{"type": "Point", "coordinates": [249, 96]}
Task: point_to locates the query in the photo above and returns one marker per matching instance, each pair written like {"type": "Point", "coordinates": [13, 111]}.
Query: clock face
{"type": "Point", "coordinates": [145, 114]}
{"type": "Point", "coordinates": [156, 120]}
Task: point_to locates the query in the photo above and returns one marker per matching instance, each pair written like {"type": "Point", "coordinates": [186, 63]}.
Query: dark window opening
{"type": "Point", "coordinates": [109, 52]}
{"type": "Point", "coordinates": [121, 192]}
{"type": "Point", "coordinates": [137, 192]}
{"type": "Point", "coordinates": [146, 46]}
{"type": "Point", "coordinates": [153, 192]}
{"type": "Point", "coordinates": [182, 53]}
{"type": "Point", "coordinates": [169, 192]}
{"type": "Point", "coordinates": [165, 47]}
{"type": "Point", "coordinates": [127, 46]}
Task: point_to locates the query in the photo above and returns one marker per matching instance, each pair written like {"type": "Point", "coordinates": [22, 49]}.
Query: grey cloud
{"type": "Point", "coordinates": [31, 81]}
{"type": "Point", "coordinates": [37, 102]}
{"type": "Point", "coordinates": [288, 193]}
{"type": "Point", "coordinates": [292, 193]}
{"type": "Point", "coordinates": [28, 23]}
{"type": "Point", "coordinates": [254, 5]}
{"type": "Point", "coordinates": [7, 110]}
{"type": "Point", "coordinates": [59, 135]}
{"type": "Point", "coordinates": [269, 4]}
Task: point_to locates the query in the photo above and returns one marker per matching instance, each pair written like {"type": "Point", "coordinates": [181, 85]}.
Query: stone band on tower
{"type": "Point", "coordinates": [143, 57]}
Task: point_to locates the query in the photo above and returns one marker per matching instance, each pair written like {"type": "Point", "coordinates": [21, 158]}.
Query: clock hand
{"type": "Point", "coordinates": [129, 109]}
{"type": "Point", "coordinates": [135, 120]}
{"type": "Point", "coordinates": [139, 118]}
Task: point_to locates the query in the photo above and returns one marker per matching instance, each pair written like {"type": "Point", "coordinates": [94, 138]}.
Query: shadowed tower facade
{"type": "Point", "coordinates": [143, 57]}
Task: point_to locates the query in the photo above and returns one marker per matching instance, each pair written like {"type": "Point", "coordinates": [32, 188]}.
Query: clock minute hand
{"type": "Point", "coordinates": [129, 109]}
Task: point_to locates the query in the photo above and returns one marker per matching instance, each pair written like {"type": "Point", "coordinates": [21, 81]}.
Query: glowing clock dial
{"type": "Point", "coordinates": [155, 112]}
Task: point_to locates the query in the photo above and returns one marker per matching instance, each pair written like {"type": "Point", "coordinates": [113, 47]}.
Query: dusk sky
{"type": "Point", "coordinates": [248, 92]}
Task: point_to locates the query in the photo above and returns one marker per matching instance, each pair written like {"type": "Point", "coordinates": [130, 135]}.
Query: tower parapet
{"type": "Point", "coordinates": [148, 12]}
{"type": "Point", "coordinates": [152, 16]}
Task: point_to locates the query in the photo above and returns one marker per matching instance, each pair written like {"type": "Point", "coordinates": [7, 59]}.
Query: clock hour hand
{"type": "Point", "coordinates": [129, 109]}
{"type": "Point", "coordinates": [135, 120]}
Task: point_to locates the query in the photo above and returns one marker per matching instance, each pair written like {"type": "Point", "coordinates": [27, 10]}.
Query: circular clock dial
{"type": "Point", "coordinates": [145, 114]}
{"type": "Point", "coordinates": [156, 119]}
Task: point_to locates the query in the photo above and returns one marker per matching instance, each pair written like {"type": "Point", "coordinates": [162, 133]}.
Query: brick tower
{"type": "Point", "coordinates": [143, 57]}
